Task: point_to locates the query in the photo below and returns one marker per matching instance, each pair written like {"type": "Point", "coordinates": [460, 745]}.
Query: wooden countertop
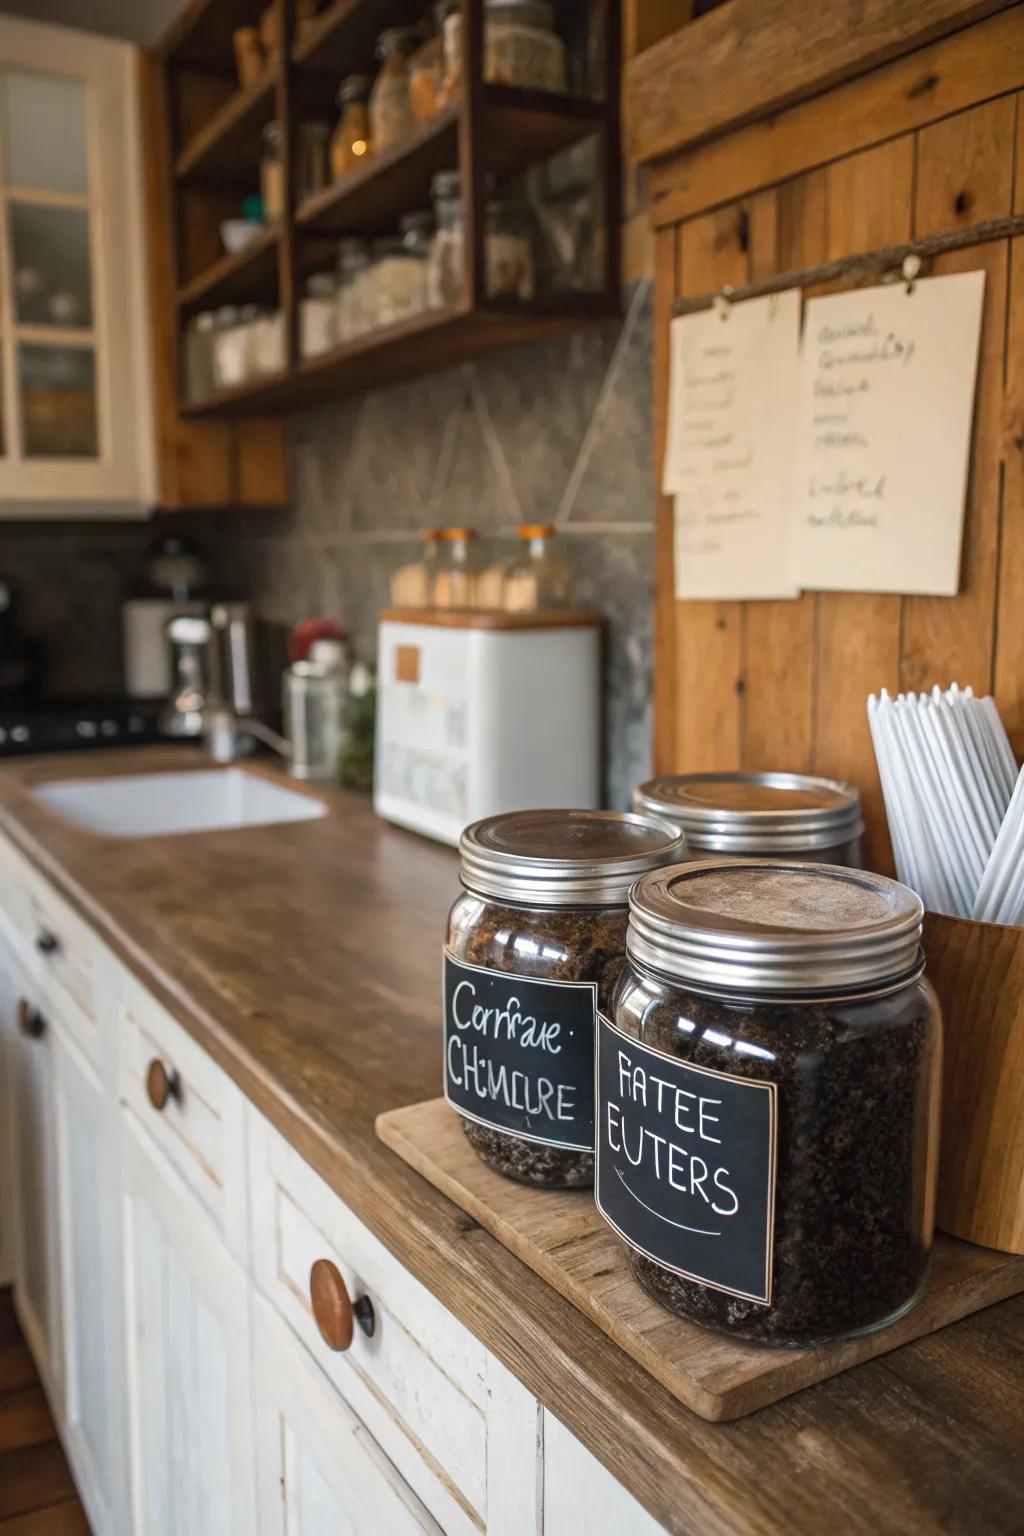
{"type": "Point", "coordinates": [305, 959]}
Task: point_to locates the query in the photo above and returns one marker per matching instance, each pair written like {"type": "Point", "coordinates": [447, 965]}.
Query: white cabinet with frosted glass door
{"type": "Point", "coordinates": [76, 414]}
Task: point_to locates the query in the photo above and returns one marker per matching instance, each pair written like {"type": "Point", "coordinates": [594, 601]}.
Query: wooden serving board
{"type": "Point", "coordinates": [561, 1236]}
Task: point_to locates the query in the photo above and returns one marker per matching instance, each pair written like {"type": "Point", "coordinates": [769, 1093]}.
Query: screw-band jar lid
{"type": "Point", "coordinates": [565, 858]}
{"type": "Point", "coordinates": [752, 927]}
{"type": "Point", "coordinates": [740, 813]}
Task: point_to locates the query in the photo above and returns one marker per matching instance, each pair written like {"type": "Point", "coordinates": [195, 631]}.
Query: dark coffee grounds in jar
{"type": "Point", "coordinates": [805, 982]}
{"type": "Point", "coordinates": [546, 900]}
{"type": "Point", "coordinates": [567, 944]}
{"type": "Point", "coordinates": [849, 1244]}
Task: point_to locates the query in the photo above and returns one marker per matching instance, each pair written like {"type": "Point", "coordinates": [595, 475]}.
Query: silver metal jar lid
{"type": "Point", "coordinates": [565, 858]}
{"type": "Point", "coordinates": [738, 813]}
{"type": "Point", "coordinates": [749, 927]}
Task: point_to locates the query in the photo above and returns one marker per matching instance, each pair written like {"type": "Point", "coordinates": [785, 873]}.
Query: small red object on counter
{"type": "Point", "coordinates": [306, 631]}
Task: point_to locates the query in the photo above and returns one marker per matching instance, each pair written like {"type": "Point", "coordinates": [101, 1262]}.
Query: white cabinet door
{"type": "Point", "coordinates": [320, 1471]}
{"type": "Point", "coordinates": [8, 1047]}
{"type": "Point", "coordinates": [581, 1498]}
{"type": "Point", "coordinates": [75, 368]}
{"type": "Point", "coordinates": [86, 1164]}
{"type": "Point", "coordinates": [188, 1341]}
{"type": "Point", "coordinates": [36, 1267]}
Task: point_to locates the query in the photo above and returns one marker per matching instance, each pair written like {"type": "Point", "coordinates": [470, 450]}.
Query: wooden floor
{"type": "Point", "coordinates": [37, 1495]}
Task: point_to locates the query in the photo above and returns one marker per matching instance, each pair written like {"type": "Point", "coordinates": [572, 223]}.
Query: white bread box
{"type": "Point", "coordinates": [480, 711]}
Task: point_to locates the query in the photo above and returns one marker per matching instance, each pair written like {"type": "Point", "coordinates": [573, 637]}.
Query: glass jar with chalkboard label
{"type": "Point", "coordinates": [767, 1085]}
{"type": "Point", "coordinates": [759, 815]}
{"type": "Point", "coordinates": [536, 942]}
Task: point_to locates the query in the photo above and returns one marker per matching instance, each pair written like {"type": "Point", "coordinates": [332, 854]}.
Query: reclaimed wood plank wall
{"type": "Point", "coordinates": [930, 142]}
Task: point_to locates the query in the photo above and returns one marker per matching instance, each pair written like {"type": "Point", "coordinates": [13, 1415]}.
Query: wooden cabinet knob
{"type": "Point", "coordinates": [47, 943]}
{"type": "Point", "coordinates": [333, 1308]}
{"type": "Point", "coordinates": [161, 1085]}
{"type": "Point", "coordinates": [30, 1020]}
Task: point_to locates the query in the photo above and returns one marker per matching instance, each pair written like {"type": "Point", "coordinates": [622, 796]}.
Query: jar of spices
{"type": "Point", "coordinates": [759, 815]}
{"type": "Point", "coordinates": [351, 141]}
{"type": "Point", "coordinates": [535, 946]}
{"type": "Point", "coordinates": [768, 1099]}
{"type": "Point", "coordinates": [272, 174]}
{"type": "Point", "coordinates": [391, 119]}
{"type": "Point", "coordinates": [353, 313]}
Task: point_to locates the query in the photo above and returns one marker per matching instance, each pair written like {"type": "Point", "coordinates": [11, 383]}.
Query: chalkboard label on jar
{"type": "Point", "coordinates": [519, 1053]}
{"type": "Point", "coordinates": [685, 1169]}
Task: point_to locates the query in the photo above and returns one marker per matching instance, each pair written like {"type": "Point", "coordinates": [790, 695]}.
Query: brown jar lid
{"type": "Point", "coordinates": [751, 927]}
{"type": "Point", "coordinates": [564, 857]}
{"type": "Point", "coordinates": [741, 813]}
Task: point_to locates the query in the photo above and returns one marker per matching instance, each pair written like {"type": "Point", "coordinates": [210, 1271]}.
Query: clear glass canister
{"type": "Point", "coordinates": [398, 281]}
{"type": "Point", "coordinates": [537, 577]}
{"type": "Point", "coordinates": [457, 569]}
{"type": "Point", "coordinates": [521, 47]}
{"type": "Point", "coordinates": [535, 946]}
{"type": "Point", "coordinates": [760, 815]}
{"type": "Point", "coordinates": [315, 697]}
{"type": "Point", "coordinates": [318, 314]}
{"type": "Point", "coordinates": [354, 313]}
{"type": "Point", "coordinates": [412, 585]}
{"type": "Point", "coordinates": [391, 119]}
{"type": "Point", "coordinates": [768, 1098]}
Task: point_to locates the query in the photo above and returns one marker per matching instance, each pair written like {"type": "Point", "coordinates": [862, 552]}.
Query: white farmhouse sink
{"type": "Point", "coordinates": [165, 804]}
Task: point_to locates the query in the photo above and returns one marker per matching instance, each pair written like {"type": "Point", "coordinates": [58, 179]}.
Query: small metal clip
{"type": "Point", "coordinates": [722, 302]}
{"type": "Point", "coordinates": [911, 271]}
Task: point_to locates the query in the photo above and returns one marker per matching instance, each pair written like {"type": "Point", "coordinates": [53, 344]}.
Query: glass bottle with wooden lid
{"type": "Point", "coordinates": [760, 815]}
{"type": "Point", "coordinates": [455, 584]}
{"type": "Point", "coordinates": [412, 585]}
{"type": "Point", "coordinates": [768, 1096]}
{"type": "Point", "coordinates": [536, 942]}
{"type": "Point", "coordinates": [536, 577]}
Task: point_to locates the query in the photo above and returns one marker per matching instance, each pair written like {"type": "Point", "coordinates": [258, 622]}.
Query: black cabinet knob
{"type": "Point", "coordinates": [47, 943]}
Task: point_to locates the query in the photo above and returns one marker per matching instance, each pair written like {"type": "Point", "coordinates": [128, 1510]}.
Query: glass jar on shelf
{"type": "Point", "coordinates": [266, 341]}
{"type": "Point", "coordinates": [199, 375]}
{"type": "Point", "coordinates": [313, 147]}
{"type": "Point", "coordinates": [455, 585]}
{"type": "Point", "coordinates": [231, 346]}
{"type": "Point", "coordinates": [351, 141]}
{"type": "Point", "coordinates": [272, 174]}
{"type": "Point", "coordinates": [521, 47]}
{"type": "Point", "coordinates": [444, 268]}
{"type": "Point", "coordinates": [397, 286]}
{"type": "Point", "coordinates": [536, 578]}
{"type": "Point", "coordinates": [511, 273]}
{"type": "Point", "coordinates": [352, 306]}
{"type": "Point", "coordinates": [426, 70]}
{"type": "Point", "coordinates": [318, 315]}
{"type": "Point", "coordinates": [508, 246]}
{"type": "Point", "coordinates": [412, 585]}
{"type": "Point", "coordinates": [391, 119]}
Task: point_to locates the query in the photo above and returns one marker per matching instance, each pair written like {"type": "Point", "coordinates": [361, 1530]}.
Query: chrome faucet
{"type": "Point", "coordinates": [198, 701]}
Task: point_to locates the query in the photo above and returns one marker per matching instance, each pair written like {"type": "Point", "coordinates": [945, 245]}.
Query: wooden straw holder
{"type": "Point", "coordinates": [977, 969]}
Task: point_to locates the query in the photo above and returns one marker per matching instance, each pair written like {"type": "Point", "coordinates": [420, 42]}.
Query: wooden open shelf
{"type": "Point", "coordinates": [489, 130]}
{"type": "Point", "coordinates": [227, 147]}
{"type": "Point", "coordinates": [247, 277]}
{"type": "Point", "coordinates": [342, 40]}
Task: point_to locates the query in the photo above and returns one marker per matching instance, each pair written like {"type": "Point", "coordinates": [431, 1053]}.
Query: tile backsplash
{"type": "Point", "coordinates": [553, 432]}
{"type": "Point", "coordinates": [559, 431]}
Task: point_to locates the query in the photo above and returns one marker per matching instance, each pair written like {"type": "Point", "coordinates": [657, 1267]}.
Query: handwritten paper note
{"type": "Point", "coordinates": [883, 436]}
{"type": "Point", "coordinates": [728, 462]}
